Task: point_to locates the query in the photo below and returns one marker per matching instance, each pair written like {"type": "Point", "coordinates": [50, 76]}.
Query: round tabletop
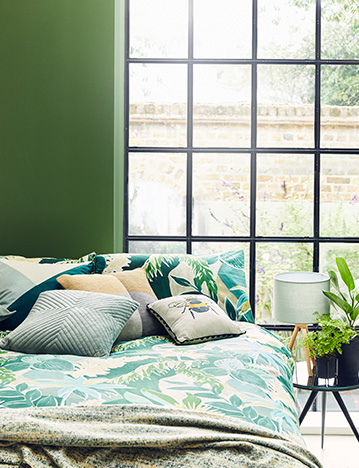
{"type": "Point", "coordinates": [302, 380]}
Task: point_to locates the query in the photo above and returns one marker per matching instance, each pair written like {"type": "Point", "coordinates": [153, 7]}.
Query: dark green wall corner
{"type": "Point", "coordinates": [56, 127]}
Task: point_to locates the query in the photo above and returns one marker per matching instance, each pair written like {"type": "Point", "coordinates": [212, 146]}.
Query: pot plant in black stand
{"type": "Point", "coordinates": [347, 306]}
{"type": "Point", "coordinates": [325, 345]}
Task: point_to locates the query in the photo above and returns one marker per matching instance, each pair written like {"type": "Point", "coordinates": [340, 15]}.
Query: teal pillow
{"type": "Point", "coordinates": [19, 309]}
{"type": "Point", "coordinates": [221, 277]}
{"type": "Point", "coordinates": [71, 322]}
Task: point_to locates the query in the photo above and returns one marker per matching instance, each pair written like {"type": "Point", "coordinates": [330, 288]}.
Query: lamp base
{"type": "Point", "coordinates": [304, 328]}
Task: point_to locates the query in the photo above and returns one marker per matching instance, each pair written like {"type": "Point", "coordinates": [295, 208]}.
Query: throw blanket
{"type": "Point", "coordinates": [123, 436]}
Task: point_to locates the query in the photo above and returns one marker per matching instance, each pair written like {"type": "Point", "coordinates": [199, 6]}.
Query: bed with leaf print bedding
{"type": "Point", "coordinates": [186, 397]}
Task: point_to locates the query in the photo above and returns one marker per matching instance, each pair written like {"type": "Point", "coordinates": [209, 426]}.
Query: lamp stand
{"type": "Point", "coordinates": [304, 329]}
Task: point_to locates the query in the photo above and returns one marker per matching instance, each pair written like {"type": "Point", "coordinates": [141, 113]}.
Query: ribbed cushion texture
{"type": "Point", "coordinates": [71, 322]}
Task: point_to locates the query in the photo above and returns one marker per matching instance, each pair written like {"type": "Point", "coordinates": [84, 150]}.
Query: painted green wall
{"type": "Point", "coordinates": [56, 127]}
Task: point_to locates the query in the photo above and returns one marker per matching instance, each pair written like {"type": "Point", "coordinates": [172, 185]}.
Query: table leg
{"type": "Point", "coordinates": [324, 407]}
{"type": "Point", "coordinates": [308, 404]}
{"type": "Point", "coordinates": [346, 413]}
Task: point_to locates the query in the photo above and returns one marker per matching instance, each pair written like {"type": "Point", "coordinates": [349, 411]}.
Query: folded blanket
{"type": "Point", "coordinates": [125, 436]}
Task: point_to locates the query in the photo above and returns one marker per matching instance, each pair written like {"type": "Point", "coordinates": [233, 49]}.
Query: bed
{"type": "Point", "coordinates": [164, 393]}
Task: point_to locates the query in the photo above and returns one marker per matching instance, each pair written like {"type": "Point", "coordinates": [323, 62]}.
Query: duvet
{"type": "Point", "coordinates": [225, 403]}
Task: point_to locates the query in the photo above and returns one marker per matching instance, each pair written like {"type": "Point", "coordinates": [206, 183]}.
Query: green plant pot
{"type": "Point", "coordinates": [348, 363]}
{"type": "Point", "coordinates": [326, 368]}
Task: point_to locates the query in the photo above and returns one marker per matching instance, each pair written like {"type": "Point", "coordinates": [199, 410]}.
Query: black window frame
{"type": "Point", "coordinates": [316, 239]}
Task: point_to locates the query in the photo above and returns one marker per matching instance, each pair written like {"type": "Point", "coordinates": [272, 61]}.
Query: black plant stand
{"type": "Point", "coordinates": [324, 385]}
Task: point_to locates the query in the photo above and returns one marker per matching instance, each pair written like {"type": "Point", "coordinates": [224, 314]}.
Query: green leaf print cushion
{"type": "Point", "coordinates": [218, 276]}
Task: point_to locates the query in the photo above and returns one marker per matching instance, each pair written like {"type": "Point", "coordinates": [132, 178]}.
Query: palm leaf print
{"type": "Point", "coordinates": [154, 263]}
{"type": "Point", "coordinates": [202, 274]}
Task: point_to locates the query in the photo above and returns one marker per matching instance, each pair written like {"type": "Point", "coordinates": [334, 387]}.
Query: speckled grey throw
{"type": "Point", "coordinates": [124, 436]}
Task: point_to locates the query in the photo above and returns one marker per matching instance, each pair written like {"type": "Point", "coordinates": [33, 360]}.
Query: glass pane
{"type": "Point", "coordinates": [221, 113]}
{"type": "Point", "coordinates": [340, 29]}
{"type": "Point", "coordinates": [158, 28]}
{"type": "Point", "coordinates": [158, 96]}
{"type": "Point", "coordinates": [286, 29]}
{"type": "Point", "coordinates": [221, 194]}
{"type": "Point", "coordinates": [285, 106]}
{"type": "Point", "coordinates": [273, 258]}
{"type": "Point", "coordinates": [339, 197]}
{"type": "Point", "coordinates": [339, 124]}
{"type": "Point", "coordinates": [285, 184]}
{"type": "Point", "coordinates": [329, 251]}
{"type": "Point", "coordinates": [156, 247]}
{"type": "Point", "coordinates": [157, 194]}
{"type": "Point", "coordinates": [222, 28]}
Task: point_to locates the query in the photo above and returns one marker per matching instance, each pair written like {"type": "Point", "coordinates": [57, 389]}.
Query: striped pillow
{"type": "Point", "coordinates": [71, 322]}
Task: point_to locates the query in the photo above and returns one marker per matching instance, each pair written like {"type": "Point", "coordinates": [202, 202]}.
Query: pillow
{"type": "Point", "coordinates": [219, 276]}
{"type": "Point", "coordinates": [22, 282]}
{"type": "Point", "coordinates": [142, 323]}
{"type": "Point", "coordinates": [194, 318]}
{"type": "Point", "coordinates": [93, 283]}
{"type": "Point", "coordinates": [71, 322]}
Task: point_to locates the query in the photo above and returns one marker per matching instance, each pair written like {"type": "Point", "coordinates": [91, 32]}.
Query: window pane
{"type": "Point", "coordinates": [157, 194]}
{"type": "Point", "coordinates": [285, 184]}
{"type": "Point", "coordinates": [273, 258]}
{"type": "Point", "coordinates": [340, 29]}
{"type": "Point", "coordinates": [339, 197]}
{"type": "Point", "coordinates": [156, 247]}
{"type": "Point", "coordinates": [286, 29]}
{"type": "Point", "coordinates": [158, 96]}
{"type": "Point", "coordinates": [158, 28]}
{"type": "Point", "coordinates": [340, 106]}
{"type": "Point", "coordinates": [221, 114]}
{"type": "Point", "coordinates": [285, 106]}
{"type": "Point", "coordinates": [350, 252]}
{"type": "Point", "coordinates": [222, 28]}
{"type": "Point", "coordinates": [221, 194]}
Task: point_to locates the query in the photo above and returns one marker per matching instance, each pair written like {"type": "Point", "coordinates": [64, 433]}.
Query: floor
{"type": "Point", "coordinates": [341, 448]}
{"type": "Point", "coordinates": [340, 451]}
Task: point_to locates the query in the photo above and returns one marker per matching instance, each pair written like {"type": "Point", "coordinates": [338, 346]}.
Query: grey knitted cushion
{"type": "Point", "coordinates": [71, 322]}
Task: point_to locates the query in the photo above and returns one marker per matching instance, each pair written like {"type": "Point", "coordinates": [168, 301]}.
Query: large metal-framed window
{"type": "Point", "coordinates": [314, 216]}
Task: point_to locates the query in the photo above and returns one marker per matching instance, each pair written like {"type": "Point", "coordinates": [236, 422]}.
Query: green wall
{"type": "Point", "coordinates": [56, 127]}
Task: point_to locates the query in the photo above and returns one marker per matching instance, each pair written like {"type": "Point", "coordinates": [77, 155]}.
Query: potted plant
{"type": "Point", "coordinates": [347, 306]}
{"type": "Point", "coordinates": [326, 344]}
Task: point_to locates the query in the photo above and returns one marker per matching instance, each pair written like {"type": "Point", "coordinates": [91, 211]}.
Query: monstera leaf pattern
{"type": "Point", "coordinates": [219, 276]}
{"type": "Point", "coordinates": [246, 377]}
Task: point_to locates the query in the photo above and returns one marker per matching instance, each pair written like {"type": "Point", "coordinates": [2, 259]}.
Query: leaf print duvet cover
{"type": "Point", "coordinates": [246, 377]}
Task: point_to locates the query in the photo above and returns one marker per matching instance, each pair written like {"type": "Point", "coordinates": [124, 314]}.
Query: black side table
{"type": "Point", "coordinates": [305, 382]}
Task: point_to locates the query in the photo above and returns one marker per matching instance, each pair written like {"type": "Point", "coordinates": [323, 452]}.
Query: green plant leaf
{"type": "Point", "coordinates": [338, 301]}
{"type": "Point", "coordinates": [345, 273]}
{"type": "Point", "coordinates": [355, 313]}
{"type": "Point", "coordinates": [334, 279]}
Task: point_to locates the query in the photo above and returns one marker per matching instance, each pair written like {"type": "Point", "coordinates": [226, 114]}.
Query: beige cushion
{"type": "Point", "coordinates": [139, 288]}
{"type": "Point", "coordinates": [94, 283]}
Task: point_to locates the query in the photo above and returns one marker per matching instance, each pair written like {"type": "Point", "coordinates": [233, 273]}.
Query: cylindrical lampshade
{"type": "Point", "coordinates": [298, 295]}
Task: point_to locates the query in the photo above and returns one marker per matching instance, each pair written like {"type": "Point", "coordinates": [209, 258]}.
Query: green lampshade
{"type": "Point", "coordinates": [298, 295]}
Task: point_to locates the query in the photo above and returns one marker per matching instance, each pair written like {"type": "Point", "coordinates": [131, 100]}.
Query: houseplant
{"type": "Point", "coordinates": [326, 344]}
{"type": "Point", "coordinates": [347, 306]}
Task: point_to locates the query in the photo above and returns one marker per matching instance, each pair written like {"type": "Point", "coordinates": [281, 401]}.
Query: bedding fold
{"type": "Point", "coordinates": [124, 436]}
